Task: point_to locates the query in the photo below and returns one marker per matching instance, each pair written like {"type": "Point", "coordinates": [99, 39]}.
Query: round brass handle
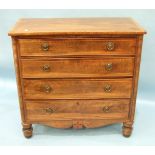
{"type": "Point", "coordinates": [47, 89]}
{"type": "Point", "coordinates": [46, 68]}
{"type": "Point", "coordinates": [49, 110]}
{"type": "Point", "coordinates": [45, 47]}
{"type": "Point", "coordinates": [106, 109]}
{"type": "Point", "coordinates": [107, 88]}
{"type": "Point", "coordinates": [110, 46]}
{"type": "Point", "coordinates": [108, 66]}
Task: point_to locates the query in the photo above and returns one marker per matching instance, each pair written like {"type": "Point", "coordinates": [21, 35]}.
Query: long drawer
{"type": "Point", "coordinates": [77, 88]}
{"type": "Point", "coordinates": [68, 109]}
{"type": "Point", "coordinates": [75, 47]}
{"type": "Point", "coordinates": [74, 67]}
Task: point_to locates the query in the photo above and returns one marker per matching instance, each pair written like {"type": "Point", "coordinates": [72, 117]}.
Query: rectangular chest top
{"type": "Point", "coordinates": [76, 26]}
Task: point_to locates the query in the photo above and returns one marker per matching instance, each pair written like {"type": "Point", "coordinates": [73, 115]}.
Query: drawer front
{"type": "Point", "coordinates": [45, 110]}
{"type": "Point", "coordinates": [77, 89]}
{"type": "Point", "coordinates": [57, 68]}
{"type": "Point", "coordinates": [75, 47]}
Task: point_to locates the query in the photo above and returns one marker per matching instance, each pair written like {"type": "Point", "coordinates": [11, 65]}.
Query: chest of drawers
{"type": "Point", "coordinates": [77, 73]}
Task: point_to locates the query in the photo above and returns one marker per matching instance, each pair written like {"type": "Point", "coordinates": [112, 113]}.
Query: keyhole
{"type": "Point", "coordinates": [77, 103]}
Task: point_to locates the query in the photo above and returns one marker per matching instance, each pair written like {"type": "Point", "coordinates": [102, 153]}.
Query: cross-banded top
{"type": "Point", "coordinates": [76, 26]}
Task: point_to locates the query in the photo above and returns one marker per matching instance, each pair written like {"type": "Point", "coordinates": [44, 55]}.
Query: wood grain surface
{"type": "Point", "coordinates": [76, 26]}
{"type": "Point", "coordinates": [75, 47]}
{"type": "Point", "coordinates": [84, 109]}
{"type": "Point", "coordinates": [74, 67]}
{"type": "Point", "coordinates": [76, 89]}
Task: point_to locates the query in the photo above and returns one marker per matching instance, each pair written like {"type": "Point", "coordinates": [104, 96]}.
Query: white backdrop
{"type": "Point", "coordinates": [143, 133]}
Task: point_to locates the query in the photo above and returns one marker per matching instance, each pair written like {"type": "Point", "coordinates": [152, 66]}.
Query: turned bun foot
{"type": "Point", "coordinates": [127, 129]}
{"type": "Point", "coordinates": [27, 130]}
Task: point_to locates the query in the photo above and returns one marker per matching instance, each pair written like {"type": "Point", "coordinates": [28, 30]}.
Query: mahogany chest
{"type": "Point", "coordinates": [77, 73]}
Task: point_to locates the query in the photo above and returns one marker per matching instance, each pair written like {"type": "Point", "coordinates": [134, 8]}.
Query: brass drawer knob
{"type": "Point", "coordinates": [106, 109]}
{"type": "Point", "coordinates": [45, 47]}
{"type": "Point", "coordinates": [110, 46]}
{"type": "Point", "coordinates": [107, 88]}
{"type": "Point", "coordinates": [46, 68]}
{"type": "Point", "coordinates": [49, 110]}
{"type": "Point", "coordinates": [47, 89]}
{"type": "Point", "coordinates": [108, 66]}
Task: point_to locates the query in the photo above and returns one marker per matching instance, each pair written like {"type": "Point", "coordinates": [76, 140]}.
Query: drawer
{"type": "Point", "coordinates": [77, 89]}
{"type": "Point", "coordinates": [45, 110]}
{"type": "Point", "coordinates": [77, 47]}
{"type": "Point", "coordinates": [57, 68]}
